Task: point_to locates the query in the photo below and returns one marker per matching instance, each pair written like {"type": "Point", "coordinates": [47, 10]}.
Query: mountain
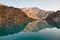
{"type": "Point", "coordinates": [54, 16]}
{"type": "Point", "coordinates": [30, 13]}
{"type": "Point", "coordinates": [11, 14]}
{"type": "Point", "coordinates": [36, 13]}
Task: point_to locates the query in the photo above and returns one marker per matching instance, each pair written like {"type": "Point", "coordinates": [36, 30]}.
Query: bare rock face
{"type": "Point", "coordinates": [54, 16]}
{"type": "Point", "coordinates": [11, 14]}
{"type": "Point", "coordinates": [42, 14]}
{"type": "Point", "coordinates": [30, 13]}
{"type": "Point", "coordinates": [36, 13]}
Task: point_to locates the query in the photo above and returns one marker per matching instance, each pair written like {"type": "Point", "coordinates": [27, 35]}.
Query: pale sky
{"type": "Point", "coordinates": [42, 4]}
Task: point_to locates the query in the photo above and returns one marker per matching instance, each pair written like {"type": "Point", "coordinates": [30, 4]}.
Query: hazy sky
{"type": "Point", "coordinates": [42, 4]}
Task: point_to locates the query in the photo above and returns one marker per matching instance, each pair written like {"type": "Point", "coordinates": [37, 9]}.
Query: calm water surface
{"type": "Point", "coordinates": [36, 30]}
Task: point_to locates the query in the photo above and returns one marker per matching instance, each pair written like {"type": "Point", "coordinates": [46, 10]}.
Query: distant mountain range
{"type": "Point", "coordinates": [37, 13]}
{"type": "Point", "coordinates": [12, 14]}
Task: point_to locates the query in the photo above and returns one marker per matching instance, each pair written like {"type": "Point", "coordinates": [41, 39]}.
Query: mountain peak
{"type": "Point", "coordinates": [35, 7]}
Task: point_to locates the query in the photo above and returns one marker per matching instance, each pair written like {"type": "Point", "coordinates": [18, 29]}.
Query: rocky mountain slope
{"type": "Point", "coordinates": [30, 13]}
{"type": "Point", "coordinates": [54, 16]}
{"type": "Point", "coordinates": [36, 13]}
{"type": "Point", "coordinates": [11, 14]}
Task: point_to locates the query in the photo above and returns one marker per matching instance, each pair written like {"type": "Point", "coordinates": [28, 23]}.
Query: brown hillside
{"type": "Point", "coordinates": [11, 14]}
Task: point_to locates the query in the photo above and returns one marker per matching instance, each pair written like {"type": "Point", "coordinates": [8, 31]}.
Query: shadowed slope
{"type": "Point", "coordinates": [55, 16]}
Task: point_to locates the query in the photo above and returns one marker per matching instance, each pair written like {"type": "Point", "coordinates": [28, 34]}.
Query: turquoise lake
{"type": "Point", "coordinates": [35, 30]}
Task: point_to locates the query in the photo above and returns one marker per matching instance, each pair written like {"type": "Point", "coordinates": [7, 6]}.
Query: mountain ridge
{"type": "Point", "coordinates": [12, 14]}
{"type": "Point", "coordinates": [26, 13]}
{"type": "Point", "coordinates": [36, 12]}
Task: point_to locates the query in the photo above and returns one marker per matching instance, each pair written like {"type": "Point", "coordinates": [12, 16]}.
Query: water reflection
{"type": "Point", "coordinates": [27, 26]}
{"type": "Point", "coordinates": [11, 28]}
{"type": "Point", "coordinates": [40, 24]}
{"type": "Point", "coordinates": [53, 23]}
{"type": "Point", "coordinates": [45, 34]}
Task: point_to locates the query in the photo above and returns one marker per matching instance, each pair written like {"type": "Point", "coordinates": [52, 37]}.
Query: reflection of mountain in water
{"type": "Point", "coordinates": [11, 28]}
{"type": "Point", "coordinates": [53, 23]}
{"type": "Point", "coordinates": [40, 24]}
